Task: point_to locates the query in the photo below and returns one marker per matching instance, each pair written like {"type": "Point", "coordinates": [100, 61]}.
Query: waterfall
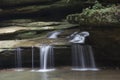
{"type": "Point", "coordinates": [46, 58]}
{"type": "Point", "coordinates": [54, 34]}
{"type": "Point", "coordinates": [82, 55]}
{"type": "Point", "coordinates": [82, 58]}
{"type": "Point", "coordinates": [18, 60]}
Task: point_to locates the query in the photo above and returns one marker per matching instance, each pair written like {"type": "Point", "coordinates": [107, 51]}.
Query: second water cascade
{"type": "Point", "coordinates": [82, 58]}
{"type": "Point", "coordinates": [82, 55]}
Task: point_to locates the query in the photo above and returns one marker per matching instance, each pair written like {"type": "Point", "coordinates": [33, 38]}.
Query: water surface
{"type": "Point", "coordinates": [60, 74]}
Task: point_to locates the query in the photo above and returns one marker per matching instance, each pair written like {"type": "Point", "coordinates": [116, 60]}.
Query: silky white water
{"type": "Point", "coordinates": [18, 60]}
{"type": "Point", "coordinates": [82, 58]}
{"type": "Point", "coordinates": [78, 37]}
{"type": "Point", "coordinates": [46, 58]}
{"type": "Point", "coordinates": [54, 34]}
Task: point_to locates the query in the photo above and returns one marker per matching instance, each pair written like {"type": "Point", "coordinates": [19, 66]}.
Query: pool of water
{"type": "Point", "coordinates": [60, 74]}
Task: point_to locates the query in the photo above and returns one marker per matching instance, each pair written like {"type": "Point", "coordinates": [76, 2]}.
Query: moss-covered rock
{"type": "Point", "coordinates": [98, 16]}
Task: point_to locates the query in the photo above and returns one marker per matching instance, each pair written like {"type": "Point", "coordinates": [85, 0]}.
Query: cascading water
{"type": "Point", "coordinates": [82, 55]}
{"type": "Point", "coordinates": [18, 60]}
{"type": "Point", "coordinates": [46, 58]}
{"type": "Point", "coordinates": [79, 37]}
{"type": "Point", "coordinates": [54, 34]}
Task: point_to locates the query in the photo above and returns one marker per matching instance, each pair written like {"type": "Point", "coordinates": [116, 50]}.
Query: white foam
{"type": "Point", "coordinates": [32, 70]}
{"type": "Point", "coordinates": [79, 37]}
{"type": "Point", "coordinates": [85, 69]}
{"type": "Point", "coordinates": [19, 70]}
{"type": "Point", "coordinates": [44, 70]}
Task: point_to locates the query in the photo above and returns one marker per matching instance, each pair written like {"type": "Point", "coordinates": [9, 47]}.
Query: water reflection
{"type": "Point", "coordinates": [86, 76]}
{"type": "Point", "coordinates": [39, 76]}
{"type": "Point", "coordinates": [44, 76]}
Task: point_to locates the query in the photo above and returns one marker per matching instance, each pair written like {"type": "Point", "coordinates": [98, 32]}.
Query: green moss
{"type": "Point", "coordinates": [97, 15]}
{"type": "Point", "coordinates": [97, 5]}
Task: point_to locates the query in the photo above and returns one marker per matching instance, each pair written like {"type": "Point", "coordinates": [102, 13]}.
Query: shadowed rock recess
{"type": "Point", "coordinates": [26, 24]}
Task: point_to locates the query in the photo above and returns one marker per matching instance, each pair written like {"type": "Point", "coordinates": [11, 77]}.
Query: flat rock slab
{"type": "Point", "coordinates": [35, 26]}
{"type": "Point", "coordinates": [29, 43]}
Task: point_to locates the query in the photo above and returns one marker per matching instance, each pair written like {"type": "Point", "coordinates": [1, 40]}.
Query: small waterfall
{"type": "Point", "coordinates": [32, 59]}
{"type": "Point", "coordinates": [54, 34]}
{"type": "Point", "coordinates": [18, 60]}
{"type": "Point", "coordinates": [46, 58]}
{"type": "Point", "coordinates": [82, 58]}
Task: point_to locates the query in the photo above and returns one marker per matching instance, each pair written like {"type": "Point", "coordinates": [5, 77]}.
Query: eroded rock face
{"type": "Point", "coordinates": [22, 2]}
{"type": "Point", "coordinates": [106, 44]}
{"type": "Point", "coordinates": [54, 10]}
{"type": "Point", "coordinates": [26, 29]}
{"type": "Point", "coordinates": [110, 1]}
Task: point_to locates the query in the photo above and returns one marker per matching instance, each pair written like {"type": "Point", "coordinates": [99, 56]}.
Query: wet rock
{"type": "Point", "coordinates": [26, 30]}
{"type": "Point", "coordinates": [15, 22]}
{"type": "Point", "coordinates": [27, 23]}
